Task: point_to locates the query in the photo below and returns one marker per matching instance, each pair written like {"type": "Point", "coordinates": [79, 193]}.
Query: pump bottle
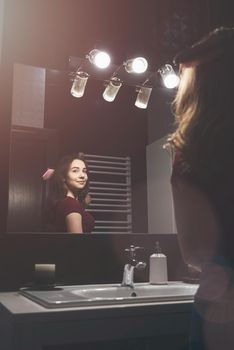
{"type": "Point", "coordinates": [158, 267]}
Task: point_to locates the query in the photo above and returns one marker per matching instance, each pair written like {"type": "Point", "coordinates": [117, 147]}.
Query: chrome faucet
{"type": "Point", "coordinates": [128, 273]}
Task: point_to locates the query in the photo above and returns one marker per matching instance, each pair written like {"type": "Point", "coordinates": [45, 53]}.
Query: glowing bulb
{"type": "Point", "coordinates": [169, 77]}
{"type": "Point", "coordinates": [139, 65]}
{"type": "Point", "coordinates": [136, 65]}
{"type": "Point", "coordinates": [171, 81]}
{"type": "Point", "coordinates": [101, 59]}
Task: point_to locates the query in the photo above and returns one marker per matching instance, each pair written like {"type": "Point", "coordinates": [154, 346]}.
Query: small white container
{"type": "Point", "coordinates": [158, 267]}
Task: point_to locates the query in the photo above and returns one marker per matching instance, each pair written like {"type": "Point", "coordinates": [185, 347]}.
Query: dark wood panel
{"type": "Point", "coordinates": [32, 151]}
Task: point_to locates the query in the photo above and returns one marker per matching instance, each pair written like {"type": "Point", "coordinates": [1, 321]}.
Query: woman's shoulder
{"type": "Point", "coordinates": [68, 205]}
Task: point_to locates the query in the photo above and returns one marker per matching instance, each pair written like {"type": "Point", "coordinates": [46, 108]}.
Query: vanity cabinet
{"type": "Point", "coordinates": [25, 325]}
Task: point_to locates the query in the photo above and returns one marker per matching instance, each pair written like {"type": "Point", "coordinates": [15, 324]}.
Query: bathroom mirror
{"type": "Point", "coordinates": [39, 37]}
{"type": "Point", "coordinates": [48, 122]}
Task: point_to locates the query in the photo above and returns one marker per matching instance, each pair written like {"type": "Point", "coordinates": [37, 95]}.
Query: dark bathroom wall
{"type": "Point", "coordinates": [221, 13]}
{"type": "Point", "coordinates": [84, 259]}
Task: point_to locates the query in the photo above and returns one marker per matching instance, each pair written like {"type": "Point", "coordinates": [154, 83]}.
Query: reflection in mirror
{"type": "Point", "coordinates": [129, 178]}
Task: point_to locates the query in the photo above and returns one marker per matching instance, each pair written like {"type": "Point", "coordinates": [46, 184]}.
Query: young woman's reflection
{"type": "Point", "coordinates": [68, 198]}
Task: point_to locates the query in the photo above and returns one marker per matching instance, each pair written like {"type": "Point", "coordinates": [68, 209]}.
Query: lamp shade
{"type": "Point", "coordinates": [143, 97]}
{"type": "Point", "coordinates": [112, 89]}
{"type": "Point", "coordinates": [79, 84]}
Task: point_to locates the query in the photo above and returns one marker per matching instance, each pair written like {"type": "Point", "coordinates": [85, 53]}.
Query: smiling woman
{"type": "Point", "coordinates": [69, 196]}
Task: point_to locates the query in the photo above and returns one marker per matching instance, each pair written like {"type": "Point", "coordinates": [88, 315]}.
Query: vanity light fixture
{"type": "Point", "coordinates": [99, 58]}
{"type": "Point", "coordinates": [116, 76]}
{"type": "Point", "coordinates": [79, 84]}
{"type": "Point", "coordinates": [112, 89]}
{"type": "Point", "coordinates": [169, 77]}
{"type": "Point", "coordinates": [143, 97]}
{"type": "Point", "coordinates": [136, 65]}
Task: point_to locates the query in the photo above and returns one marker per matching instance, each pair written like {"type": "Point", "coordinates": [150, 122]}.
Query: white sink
{"type": "Point", "coordinates": [103, 294]}
{"type": "Point", "coordinates": [172, 291]}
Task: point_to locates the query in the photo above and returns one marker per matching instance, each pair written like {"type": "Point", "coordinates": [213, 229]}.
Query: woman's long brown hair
{"type": "Point", "coordinates": [204, 111]}
{"type": "Point", "coordinates": [58, 191]}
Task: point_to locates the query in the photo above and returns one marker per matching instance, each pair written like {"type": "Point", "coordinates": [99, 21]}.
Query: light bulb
{"type": "Point", "coordinates": [139, 65]}
{"type": "Point", "coordinates": [136, 65]}
{"type": "Point", "coordinates": [101, 59]}
{"type": "Point", "coordinates": [169, 77]}
{"type": "Point", "coordinates": [171, 81]}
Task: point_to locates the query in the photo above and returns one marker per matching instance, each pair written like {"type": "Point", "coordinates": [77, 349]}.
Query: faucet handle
{"type": "Point", "coordinates": [141, 265]}
{"type": "Point", "coordinates": [132, 251]}
{"type": "Point", "coordinates": [136, 248]}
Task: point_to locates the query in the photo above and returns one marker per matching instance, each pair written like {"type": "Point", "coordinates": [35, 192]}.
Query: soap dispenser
{"type": "Point", "coordinates": [158, 267]}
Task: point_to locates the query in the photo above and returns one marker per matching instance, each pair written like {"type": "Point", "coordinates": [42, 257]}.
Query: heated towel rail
{"type": "Point", "coordinates": [110, 190]}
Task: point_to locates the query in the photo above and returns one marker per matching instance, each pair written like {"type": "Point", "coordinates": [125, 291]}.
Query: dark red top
{"type": "Point", "coordinates": [220, 191]}
{"type": "Point", "coordinates": [70, 205]}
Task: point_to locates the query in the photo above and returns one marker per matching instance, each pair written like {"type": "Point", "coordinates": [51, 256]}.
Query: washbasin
{"type": "Point", "coordinates": [170, 290]}
{"type": "Point", "coordinates": [104, 294]}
